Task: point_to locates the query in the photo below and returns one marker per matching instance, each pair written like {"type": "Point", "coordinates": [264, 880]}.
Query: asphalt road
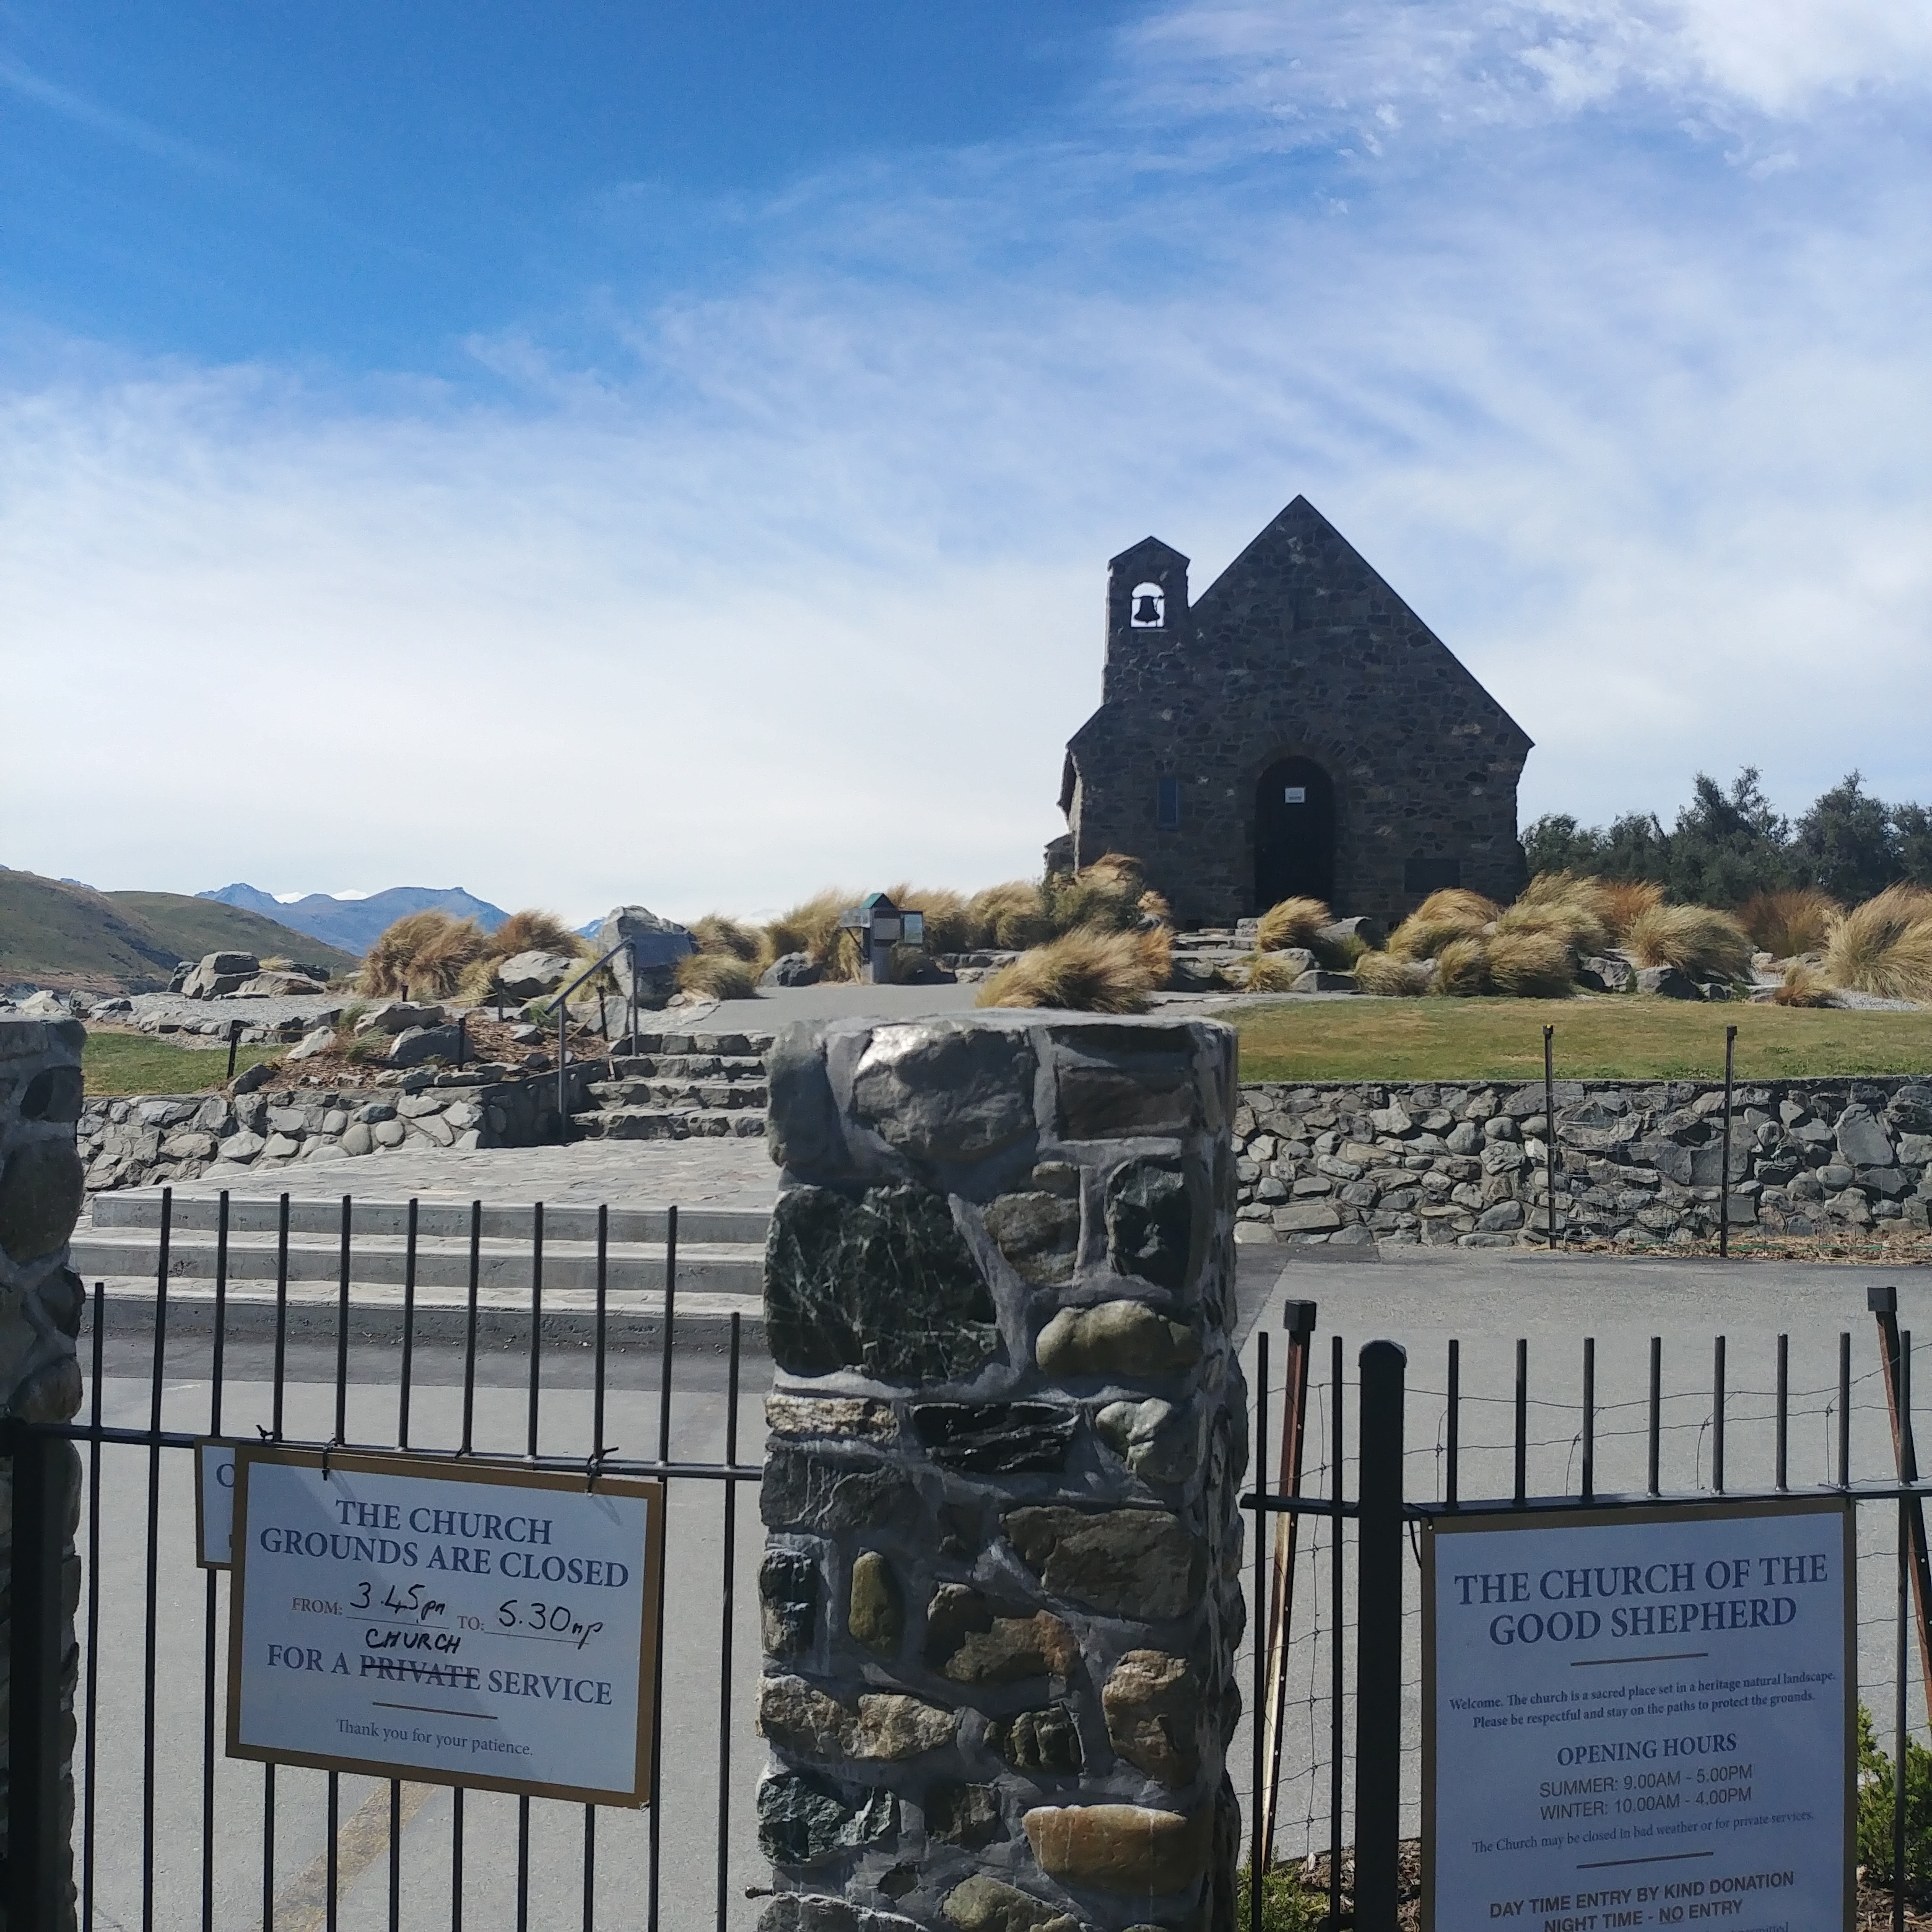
{"type": "Point", "coordinates": [1486, 1300]}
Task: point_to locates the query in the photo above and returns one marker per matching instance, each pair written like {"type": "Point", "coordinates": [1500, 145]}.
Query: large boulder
{"type": "Point", "coordinates": [529, 976]}
{"type": "Point", "coordinates": [1668, 982]}
{"type": "Point", "coordinates": [279, 986]}
{"type": "Point", "coordinates": [219, 974]}
{"type": "Point", "coordinates": [656, 945]}
{"type": "Point", "coordinates": [792, 969]}
{"type": "Point", "coordinates": [395, 1016]}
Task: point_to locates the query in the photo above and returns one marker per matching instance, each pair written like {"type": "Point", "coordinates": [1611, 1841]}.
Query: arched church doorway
{"type": "Point", "coordinates": [1294, 833]}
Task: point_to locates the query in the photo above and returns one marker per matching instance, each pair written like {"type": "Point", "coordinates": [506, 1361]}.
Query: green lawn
{"type": "Point", "coordinates": [1627, 1039]}
{"type": "Point", "coordinates": [137, 1063]}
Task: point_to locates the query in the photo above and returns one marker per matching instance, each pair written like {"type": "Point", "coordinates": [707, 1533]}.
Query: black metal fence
{"type": "Point", "coordinates": [1334, 1718]}
{"type": "Point", "coordinates": [167, 1831]}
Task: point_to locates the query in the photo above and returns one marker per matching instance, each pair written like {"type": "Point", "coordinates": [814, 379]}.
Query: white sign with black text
{"type": "Point", "coordinates": [1642, 1718]}
{"type": "Point", "coordinates": [464, 1623]}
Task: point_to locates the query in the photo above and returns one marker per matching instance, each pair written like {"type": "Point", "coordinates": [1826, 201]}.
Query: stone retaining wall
{"type": "Point", "coordinates": [1001, 1590]}
{"type": "Point", "coordinates": [41, 1195]}
{"type": "Point", "coordinates": [155, 1139]}
{"type": "Point", "coordinates": [1638, 1162]}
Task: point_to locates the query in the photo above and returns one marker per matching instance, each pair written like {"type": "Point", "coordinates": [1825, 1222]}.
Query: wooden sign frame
{"type": "Point", "coordinates": [444, 1469]}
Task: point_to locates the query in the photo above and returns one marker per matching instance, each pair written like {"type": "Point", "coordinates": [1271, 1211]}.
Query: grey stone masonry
{"type": "Point", "coordinates": [1001, 1594]}
{"type": "Point", "coordinates": [1638, 1164]}
{"type": "Point", "coordinates": [1298, 667]}
{"type": "Point", "coordinates": [42, 1186]}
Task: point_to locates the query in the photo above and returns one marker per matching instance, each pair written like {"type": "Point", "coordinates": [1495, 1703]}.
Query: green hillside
{"type": "Point", "coordinates": [71, 937]}
{"type": "Point", "coordinates": [194, 926]}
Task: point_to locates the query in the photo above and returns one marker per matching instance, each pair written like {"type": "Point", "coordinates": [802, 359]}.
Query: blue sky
{"type": "Point", "coordinates": [671, 453]}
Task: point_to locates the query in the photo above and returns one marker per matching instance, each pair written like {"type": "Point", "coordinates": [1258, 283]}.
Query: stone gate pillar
{"type": "Point", "coordinates": [42, 1183]}
{"type": "Point", "coordinates": [1001, 1589]}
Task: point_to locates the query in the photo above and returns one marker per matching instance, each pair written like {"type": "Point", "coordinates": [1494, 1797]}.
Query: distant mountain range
{"type": "Point", "coordinates": [56, 932]}
{"type": "Point", "coordinates": [352, 925]}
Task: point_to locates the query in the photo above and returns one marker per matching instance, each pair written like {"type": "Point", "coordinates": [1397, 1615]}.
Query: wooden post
{"type": "Point", "coordinates": [1299, 1318]}
{"type": "Point", "coordinates": [1883, 1302]}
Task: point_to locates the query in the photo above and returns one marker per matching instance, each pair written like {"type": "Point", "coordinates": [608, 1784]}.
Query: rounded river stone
{"type": "Point", "coordinates": [41, 1190]}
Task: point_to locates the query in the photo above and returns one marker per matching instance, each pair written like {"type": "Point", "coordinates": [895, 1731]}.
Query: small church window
{"type": "Point", "coordinates": [1167, 803]}
{"type": "Point", "coordinates": [1147, 608]}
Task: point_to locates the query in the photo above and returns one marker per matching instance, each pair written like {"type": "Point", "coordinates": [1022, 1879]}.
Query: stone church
{"type": "Point", "coordinates": [1298, 729]}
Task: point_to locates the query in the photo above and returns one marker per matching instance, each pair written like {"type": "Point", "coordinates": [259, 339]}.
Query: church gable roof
{"type": "Point", "coordinates": [1301, 572]}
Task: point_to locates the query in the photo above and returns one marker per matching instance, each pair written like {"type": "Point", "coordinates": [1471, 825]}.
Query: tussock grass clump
{"type": "Point", "coordinates": [1270, 972]}
{"type": "Point", "coordinates": [1624, 901]}
{"type": "Point", "coordinates": [1563, 906]}
{"type": "Point", "coordinates": [718, 932]}
{"type": "Point", "coordinates": [1884, 947]}
{"type": "Point", "coordinates": [1529, 965]}
{"type": "Point", "coordinates": [1105, 896]}
{"type": "Point", "coordinates": [1803, 986]}
{"type": "Point", "coordinates": [1452, 914]}
{"type": "Point", "coordinates": [426, 952]}
{"type": "Point", "coordinates": [1153, 905]}
{"type": "Point", "coordinates": [811, 926]}
{"type": "Point", "coordinates": [533, 931]}
{"type": "Point", "coordinates": [1292, 923]}
{"type": "Point", "coordinates": [946, 920]}
{"type": "Point", "coordinates": [1784, 924]}
{"type": "Point", "coordinates": [1462, 969]}
{"type": "Point", "coordinates": [1088, 971]}
{"type": "Point", "coordinates": [1705, 943]}
{"type": "Point", "coordinates": [1394, 978]}
{"type": "Point", "coordinates": [723, 975]}
{"type": "Point", "coordinates": [1007, 917]}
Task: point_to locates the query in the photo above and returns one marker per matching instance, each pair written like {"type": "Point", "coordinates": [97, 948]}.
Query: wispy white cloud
{"type": "Point", "coordinates": [795, 578]}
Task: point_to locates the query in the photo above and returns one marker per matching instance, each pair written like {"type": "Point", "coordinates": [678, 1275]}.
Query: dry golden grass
{"type": "Point", "coordinates": [718, 932]}
{"type": "Point", "coordinates": [1529, 965]}
{"type": "Point", "coordinates": [1007, 916]}
{"type": "Point", "coordinates": [1884, 947]}
{"type": "Point", "coordinates": [1624, 901]}
{"type": "Point", "coordinates": [724, 976]}
{"type": "Point", "coordinates": [1153, 905]}
{"type": "Point", "coordinates": [1461, 969]}
{"type": "Point", "coordinates": [1105, 896]}
{"type": "Point", "coordinates": [1271, 972]}
{"type": "Point", "coordinates": [947, 921]}
{"type": "Point", "coordinates": [1444, 915]}
{"type": "Point", "coordinates": [810, 926]}
{"type": "Point", "coordinates": [1803, 986]}
{"type": "Point", "coordinates": [1384, 973]}
{"type": "Point", "coordinates": [1785, 923]}
{"type": "Point", "coordinates": [533, 930]}
{"type": "Point", "coordinates": [1292, 923]}
{"type": "Point", "coordinates": [1572, 915]}
{"type": "Point", "coordinates": [1086, 970]}
{"type": "Point", "coordinates": [1705, 943]}
{"type": "Point", "coordinates": [426, 953]}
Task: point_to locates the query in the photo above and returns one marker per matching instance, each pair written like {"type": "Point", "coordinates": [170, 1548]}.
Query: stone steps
{"type": "Point", "coordinates": [667, 1123]}
{"type": "Point", "coordinates": [720, 1255]}
{"type": "Point", "coordinates": [679, 1087]}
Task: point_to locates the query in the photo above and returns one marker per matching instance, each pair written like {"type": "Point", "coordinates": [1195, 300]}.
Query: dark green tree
{"type": "Point", "coordinates": [1847, 844]}
{"type": "Point", "coordinates": [1726, 845]}
{"type": "Point", "coordinates": [1912, 827]}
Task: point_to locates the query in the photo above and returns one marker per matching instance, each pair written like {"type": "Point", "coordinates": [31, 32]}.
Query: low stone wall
{"type": "Point", "coordinates": [1638, 1162]}
{"type": "Point", "coordinates": [41, 1195]}
{"type": "Point", "coordinates": [1001, 1589]}
{"type": "Point", "coordinates": [156, 1139]}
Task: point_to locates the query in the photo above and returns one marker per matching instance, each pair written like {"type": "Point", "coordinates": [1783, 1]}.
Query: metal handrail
{"type": "Point", "coordinates": [560, 1008]}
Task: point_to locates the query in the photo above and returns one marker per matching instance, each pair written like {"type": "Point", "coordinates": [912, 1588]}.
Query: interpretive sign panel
{"type": "Point", "coordinates": [458, 1622]}
{"type": "Point", "coordinates": [1642, 1718]}
{"type": "Point", "coordinates": [214, 1502]}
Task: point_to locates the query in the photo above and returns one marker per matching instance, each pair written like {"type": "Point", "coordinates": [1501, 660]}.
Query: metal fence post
{"type": "Point", "coordinates": [1724, 1178]}
{"type": "Point", "coordinates": [1380, 1553]}
{"type": "Point", "coordinates": [39, 1858]}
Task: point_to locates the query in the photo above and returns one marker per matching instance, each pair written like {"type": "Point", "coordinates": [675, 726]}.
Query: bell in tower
{"type": "Point", "coordinates": [1149, 607]}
